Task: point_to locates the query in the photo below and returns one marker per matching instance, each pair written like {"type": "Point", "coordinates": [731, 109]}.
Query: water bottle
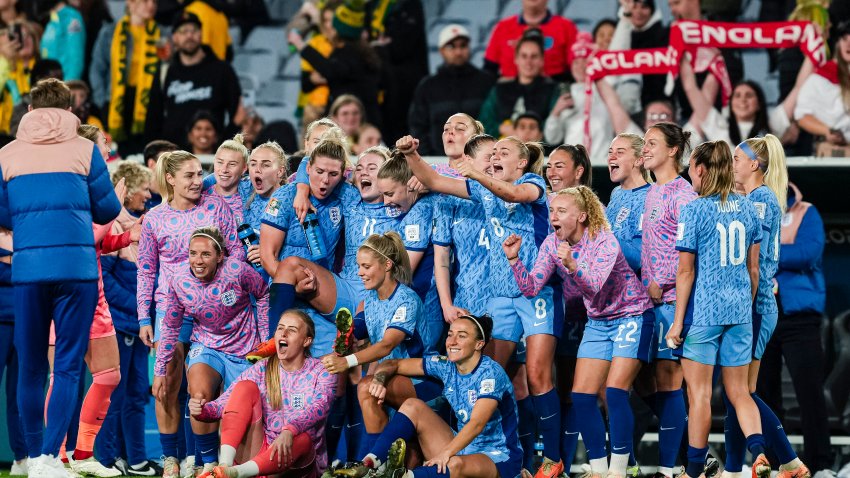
{"type": "Point", "coordinates": [249, 238]}
{"type": "Point", "coordinates": [538, 453]}
{"type": "Point", "coordinates": [315, 241]}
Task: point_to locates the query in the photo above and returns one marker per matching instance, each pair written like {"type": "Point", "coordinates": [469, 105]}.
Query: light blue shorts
{"type": "Point", "coordinates": [348, 295]}
{"type": "Point", "coordinates": [703, 344]}
{"type": "Point", "coordinates": [629, 337]}
{"type": "Point", "coordinates": [325, 330]}
{"type": "Point", "coordinates": [664, 315]}
{"type": "Point", "coordinates": [228, 366]}
{"type": "Point", "coordinates": [763, 327]}
{"type": "Point", "coordinates": [514, 317]}
{"type": "Point", "coordinates": [185, 328]}
{"type": "Point", "coordinates": [570, 339]}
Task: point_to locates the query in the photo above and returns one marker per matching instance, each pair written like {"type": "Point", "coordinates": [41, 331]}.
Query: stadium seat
{"type": "Point", "coordinates": [275, 111]}
{"type": "Point", "coordinates": [478, 57]}
{"type": "Point", "coordinates": [757, 68]}
{"type": "Point", "coordinates": [281, 10]}
{"type": "Point", "coordinates": [587, 13]}
{"type": "Point", "coordinates": [292, 67]}
{"type": "Point", "coordinates": [262, 63]}
{"type": "Point", "coordinates": [478, 12]}
{"type": "Point", "coordinates": [267, 38]}
{"type": "Point", "coordinates": [235, 36]}
{"type": "Point", "coordinates": [837, 386]}
{"type": "Point", "coordinates": [278, 90]}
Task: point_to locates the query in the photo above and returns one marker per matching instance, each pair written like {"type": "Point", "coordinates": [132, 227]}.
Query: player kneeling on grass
{"type": "Point", "coordinates": [273, 416]}
{"type": "Point", "coordinates": [479, 391]}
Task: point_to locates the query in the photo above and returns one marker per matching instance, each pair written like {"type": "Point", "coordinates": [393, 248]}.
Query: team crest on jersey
{"type": "Point", "coordinates": [656, 211]}
{"type": "Point", "coordinates": [411, 232]}
{"type": "Point", "coordinates": [760, 209]}
{"type": "Point", "coordinates": [472, 396]}
{"type": "Point", "coordinates": [488, 385]}
{"type": "Point", "coordinates": [298, 401]}
{"type": "Point", "coordinates": [400, 314]}
{"type": "Point", "coordinates": [228, 298]}
{"type": "Point", "coordinates": [622, 214]}
{"type": "Point", "coordinates": [335, 215]}
{"type": "Point", "coordinates": [273, 207]}
{"type": "Point", "coordinates": [392, 211]}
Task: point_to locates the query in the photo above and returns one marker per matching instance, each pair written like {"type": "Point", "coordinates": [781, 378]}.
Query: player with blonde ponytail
{"type": "Point", "coordinates": [761, 173]}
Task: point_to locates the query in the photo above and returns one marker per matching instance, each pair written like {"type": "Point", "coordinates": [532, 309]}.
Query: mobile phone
{"type": "Point", "coordinates": [15, 34]}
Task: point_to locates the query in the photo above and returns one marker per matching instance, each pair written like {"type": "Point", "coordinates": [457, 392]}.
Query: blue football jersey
{"type": "Point", "coordinates": [403, 311]}
{"type": "Point", "coordinates": [361, 221]}
{"type": "Point", "coordinates": [460, 225]}
{"type": "Point", "coordinates": [254, 208]}
{"type": "Point", "coordinates": [770, 217]}
{"type": "Point", "coordinates": [720, 235]}
{"type": "Point", "coordinates": [498, 440]}
{"type": "Point", "coordinates": [416, 228]}
{"type": "Point", "coordinates": [624, 212]}
{"type": "Point", "coordinates": [280, 214]}
{"type": "Point", "coordinates": [530, 221]}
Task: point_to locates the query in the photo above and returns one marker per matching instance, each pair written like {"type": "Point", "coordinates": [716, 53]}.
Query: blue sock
{"type": "Point", "coordinates": [773, 432]}
{"type": "Point", "coordinates": [429, 472]}
{"type": "Point", "coordinates": [696, 461]}
{"type": "Point", "coordinates": [399, 427]}
{"type": "Point", "coordinates": [169, 444]}
{"type": "Point", "coordinates": [354, 429]}
{"type": "Point", "coordinates": [527, 430]}
{"type": "Point", "coordinates": [207, 445]}
{"type": "Point", "coordinates": [670, 408]}
{"type": "Point", "coordinates": [590, 424]}
{"type": "Point", "coordinates": [755, 443]}
{"type": "Point", "coordinates": [621, 421]}
{"type": "Point", "coordinates": [548, 408]}
{"type": "Point", "coordinates": [334, 427]}
{"type": "Point", "coordinates": [736, 443]}
{"type": "Point", "coordinates": [569, 441]}
{"type": "Point", "coordinates": [281, 298]}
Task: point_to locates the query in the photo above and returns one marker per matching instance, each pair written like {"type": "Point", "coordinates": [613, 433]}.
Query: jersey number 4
{"type": "Point", "coordinates": [732, 248]}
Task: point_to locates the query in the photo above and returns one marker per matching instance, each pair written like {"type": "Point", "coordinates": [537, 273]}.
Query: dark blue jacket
{"type": "Point", "coordinates": [800, 276]}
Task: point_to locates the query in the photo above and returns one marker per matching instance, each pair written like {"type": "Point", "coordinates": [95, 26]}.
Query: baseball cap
{"type": "Point", "coordinates": [648, 3]}
{"type": "Point", "coordinates": [450, 32]}
{"type": "Point", "coordinates": [183, 18]}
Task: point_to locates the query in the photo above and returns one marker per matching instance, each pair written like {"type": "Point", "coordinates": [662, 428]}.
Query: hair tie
{"type": "Point", "coordinates": [217, 245]}
{"type": "Point", "coordinates": [475, 321]}
{"type": "Point", "coordinates": [748, 151]}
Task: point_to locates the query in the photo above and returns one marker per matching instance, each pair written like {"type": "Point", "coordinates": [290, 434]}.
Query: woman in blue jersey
{"type": "Point", "coordinates": [760, 172]}
{"type": "Point", "coordinates": [481, 397]}
{"type": "Point", "coordinates": [514, 202]}
{"type": "Point", "coordinates": [266, 173]}
{"type": "Point", "coordinates": [663, 150]}
{"type": "Point", "coordinates": [625, 168]}
{"type": "Point", "coordinates": [718, 237]}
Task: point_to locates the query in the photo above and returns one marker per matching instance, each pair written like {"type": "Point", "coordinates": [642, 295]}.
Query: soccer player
{"type": "Point", "coordinates": [625, 167]}
{"type": "Point", "coordinates": [618, 335]}
{"type": "Point", "coordinates": [760, 172]}
{"type": "Point", "coordinates": [227, 180]}
{"type": "Point", "coordinates": [664, 147]}
{"type": "Point", "coordinates": [266, 173]}
{"type": "Point", "coordinates": [274, 414]}
{"type": "Point", "coordinates": [514, 202]}
{"type": "Point", "coordinates": [568, 167]}
{"type": "Point", "coordinates": [717, 279]}
{"type": "Point", "coordinates": [216, 292]}
{"type": "Point", "coordinates": [481, 397]}
{"type": "Point", "coordinates": [163, 250]}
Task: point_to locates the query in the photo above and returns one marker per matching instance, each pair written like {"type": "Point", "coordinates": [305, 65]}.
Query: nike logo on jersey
{"type": "Point", "coordinates": [455, 223]}
{"type": "Point", "coordinates": [537, 324]}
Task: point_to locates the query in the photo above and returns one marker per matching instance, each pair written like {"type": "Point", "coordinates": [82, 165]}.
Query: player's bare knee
{"type": "Point", "coordinates": [412, 407]}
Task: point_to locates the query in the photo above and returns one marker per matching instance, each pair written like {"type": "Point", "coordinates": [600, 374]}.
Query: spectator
{"type": "Point", "coordinates": [203, 134]}
{"type": "Point", "coordinates": [747, 116]}
{"type": "Point", "coordinates": [367, 136]}
{"type": "Point", "coordinates": [64, 38]}
{"type": "Point", "coordinates": [603, 32]}
{"type": "Point", "coordinates": [353, 67]}
{"type": "Point", "coordinates": [797, 338]}
{"type": "Point", "coordinates": [565, 123]}
{"type": "Point", "coordinates": [215, 28]}
{"type": "Point", "coordinates": [196, 80]}
{"type": "Point", "coordinates": [529, 91]}
{"type": "Point", "coordinates": [397, 29]}
{"type": "Point", "coordinates": [42, 69]}
{"type": "Point", "coordinates": [251, 127]}
{"type": "Point", "coordinates": [559, 35]}
{"type": "Point", "coordinates": [82, 105]}
{"type": "Point", "coordinates": [348, 111]}
{"type": "Point", "coordinates": [53, 279]}
{"type": "Point", "coordinates": [95, 14]}
{"type": "Point", "coordinates": [457, 87]}
{"type": "Point", "coordinates": [639, 26]}
{"type": "Point", "coordinates": [122, 73]}
{"type": "Point", "coordinates": [19, 50]}
{"type": "Point", "coordinates": [528, 127]}
{"type": "Point", "coordinates": [824, 102]}
{"type": "Point", "coordinates": [314, 87]}
{"type": "Point", "coordinates": [151, 154]}
{"type": "Point", "coordinates": [121, 440]}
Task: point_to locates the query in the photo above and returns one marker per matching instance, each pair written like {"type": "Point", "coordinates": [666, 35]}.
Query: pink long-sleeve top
{"type": "Point", "coordinates": [221, 311]}
{"type": "Point", "coordinates": [307, 395]}
{"type": "Point", "coordinates": [606, 282]}
{"type": "Point", "coordinates": [164, 246]}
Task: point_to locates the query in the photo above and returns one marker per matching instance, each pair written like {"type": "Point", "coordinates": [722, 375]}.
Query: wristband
{"type": "Point", "coordinates": [352, 360]}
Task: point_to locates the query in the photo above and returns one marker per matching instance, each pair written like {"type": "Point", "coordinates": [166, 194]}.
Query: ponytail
{"type": "Point", "coordinates": [170, 163]}
{"type": "Point", "coordinates": [272, 376]}
{"type": "Point", "coordinates": [719, 179]}
{"type": "Point", "coordinates": [532, 152]}
{"type": "Point", "coordinates": [389, 247]}
{"type": "Point", "coordinates": [771, 159]}
{"type": "Point", "coordinates": [395, 168]}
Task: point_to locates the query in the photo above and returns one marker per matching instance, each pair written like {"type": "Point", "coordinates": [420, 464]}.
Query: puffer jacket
{"type": "Point", "coordinates": [800, 275]}
{"type": "Point", "coordinates": [54, 186]}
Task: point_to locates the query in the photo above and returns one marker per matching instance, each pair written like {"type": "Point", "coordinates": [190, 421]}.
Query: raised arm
{"type": "Point", "coordinates": [531, 283]}
{"type": "Point", "coordinates": [435, 182]}
{"type": "Point", "coordinates": [700, 104]}
{"type": "Point", "coordinates": [619, 116]}
{"type": "Point", "coordinates": [510, 192]}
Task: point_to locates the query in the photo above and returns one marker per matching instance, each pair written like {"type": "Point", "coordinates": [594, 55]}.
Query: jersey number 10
{"type": "Point", "coordinates": [732, 248]}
